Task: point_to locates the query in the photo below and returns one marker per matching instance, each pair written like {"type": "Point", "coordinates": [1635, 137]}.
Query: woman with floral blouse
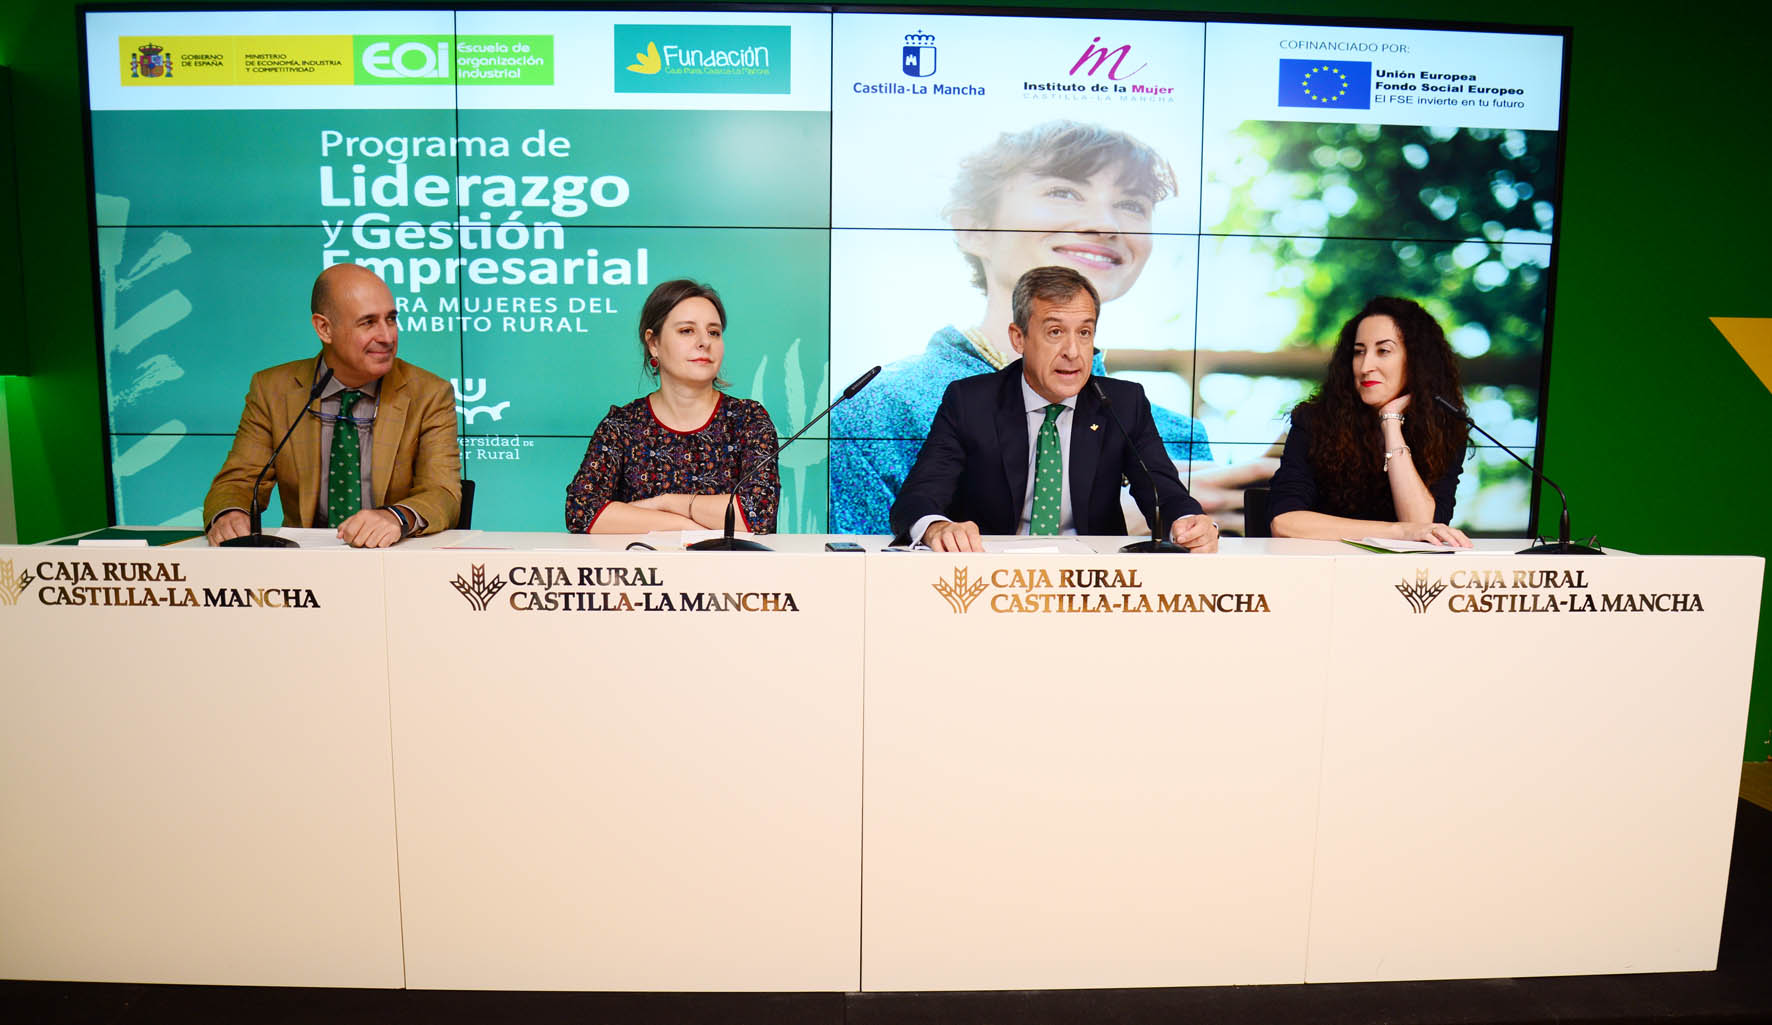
{"type": "Point", "coordinates": [670, 460]}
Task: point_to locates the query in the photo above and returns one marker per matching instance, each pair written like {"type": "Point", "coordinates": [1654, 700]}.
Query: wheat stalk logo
{"type": "Point", "coordinates": [960, 594]}
{"type": "Point", "coordinates": [11, 587]}
{"type": "Point", "coordinates": [478, 591]}
{"type": "Point", "coordinates": [1419, 594]}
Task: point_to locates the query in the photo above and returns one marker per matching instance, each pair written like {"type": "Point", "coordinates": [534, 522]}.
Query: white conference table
{"type": "Point", "coordinates": [589, 768]}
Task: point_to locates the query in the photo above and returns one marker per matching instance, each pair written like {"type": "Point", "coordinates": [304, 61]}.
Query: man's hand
{"type": "Point", "coordinates": [232, 523]}
{"type": "Point", "coordinates": [370, 528]}
{"type": "Point", "coordinates": [1195, 533]}
{"type": "Point", "coordinates": [948, 536]}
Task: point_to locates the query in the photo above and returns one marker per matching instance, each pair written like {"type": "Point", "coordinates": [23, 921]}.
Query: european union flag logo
{"type": "Point", "coordinates": [1343, 85]}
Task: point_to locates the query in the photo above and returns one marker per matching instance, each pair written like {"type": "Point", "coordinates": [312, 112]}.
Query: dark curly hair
{"type": "Point", "coordinates": [1347, 446]}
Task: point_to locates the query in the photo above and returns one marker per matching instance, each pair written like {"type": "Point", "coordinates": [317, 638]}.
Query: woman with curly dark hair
{"type": "Point", "coordinates": [1371, 454]}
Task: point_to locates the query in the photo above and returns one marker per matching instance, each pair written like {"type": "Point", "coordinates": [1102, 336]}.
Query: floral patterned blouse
{"type": "Point", "coordinates": [633, 456]}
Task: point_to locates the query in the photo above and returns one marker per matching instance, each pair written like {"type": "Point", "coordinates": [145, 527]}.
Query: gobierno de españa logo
{"type": "Point", "coordinates": [440, 59]}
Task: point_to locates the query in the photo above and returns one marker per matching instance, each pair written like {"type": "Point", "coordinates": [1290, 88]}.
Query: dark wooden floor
{"type": "Point", "coordinates": [1739, 991]}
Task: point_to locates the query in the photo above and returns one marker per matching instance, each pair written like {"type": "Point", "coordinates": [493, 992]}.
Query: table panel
{"type": "Point", "coordinates": [1531, 765]}
{"type": "Point", "coordinates": [195, 775]}
{"type": "Point", "coordinates": [1098, 792]}
{"type": "Point", "coordinates": [657, 797]}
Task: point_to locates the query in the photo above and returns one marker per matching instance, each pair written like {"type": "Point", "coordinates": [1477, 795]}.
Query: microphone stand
{"type": "Point", "coordinates": [728, 543]}
{"type": "Point", "coordinates": [1157, 544]}
{"type": "Point", "coordinates": [258, 538]}
{"type": "Point", "coordinates": [1562, 546]}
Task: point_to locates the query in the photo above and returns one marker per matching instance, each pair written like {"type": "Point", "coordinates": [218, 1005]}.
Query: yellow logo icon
{"type": "Point", "coordinates": [12, 587]}
{"type": "Point", "coordinates": [960, 594]}
{"type": "Point", "coordinates": [647, 63]}
{"type": "Point", "coordinates": [1751, 338]}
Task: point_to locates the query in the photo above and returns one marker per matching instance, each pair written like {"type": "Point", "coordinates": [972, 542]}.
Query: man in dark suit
{"type": "Point", "coordinates": [1030, 449]}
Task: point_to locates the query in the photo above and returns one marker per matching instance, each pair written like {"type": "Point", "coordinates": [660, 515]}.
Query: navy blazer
{"type": "Point", "coordinates": [974, 464]}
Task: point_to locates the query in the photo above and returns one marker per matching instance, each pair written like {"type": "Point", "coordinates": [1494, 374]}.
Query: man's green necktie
{"type": "Point", "coordinates": [344, 474]}
{"type": "Point", "coordinates": [1048, 475]}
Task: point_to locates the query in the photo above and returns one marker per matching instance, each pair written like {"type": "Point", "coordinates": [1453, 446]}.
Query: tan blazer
{"type": "Point", "coordinates": [416, 460]}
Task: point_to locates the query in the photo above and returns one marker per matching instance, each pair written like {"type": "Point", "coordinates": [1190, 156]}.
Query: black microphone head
{"type": "Point", "coordinates": [860, 383]}
{"type": "Point", "coordinates": [1100, 392]}
{"type": "Point", "coordinates": [1441, 399]}
{"type": "Point", "coordinates": [320, 385]}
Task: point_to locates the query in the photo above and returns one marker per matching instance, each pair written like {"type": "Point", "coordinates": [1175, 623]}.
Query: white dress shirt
{"type": "Point", "coordinates": [1035, 404]}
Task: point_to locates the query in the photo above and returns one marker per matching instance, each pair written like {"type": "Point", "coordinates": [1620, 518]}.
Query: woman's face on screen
{"type": "Point", "coordinates": [689, 345]}
{"type": "Point", "coordinates": [1096, 227]}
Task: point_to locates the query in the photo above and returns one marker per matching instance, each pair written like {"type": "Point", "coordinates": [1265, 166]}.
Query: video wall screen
{"type": "Point", "coordinates": [860, 187]}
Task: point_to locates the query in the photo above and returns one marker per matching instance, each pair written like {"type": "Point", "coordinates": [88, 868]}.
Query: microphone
{"type": "Point", "coordinates": [258, 538]}
{"type": "Point", "coordinates": [1563, 545]}
{"type": "Point", "coordinates": [728, 543]}
{"type": "Point", "coordinates": [1157, 543]}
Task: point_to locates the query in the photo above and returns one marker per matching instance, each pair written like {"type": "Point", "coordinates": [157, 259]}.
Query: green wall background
{"type": "Point", "coordinates": [1655, 427]}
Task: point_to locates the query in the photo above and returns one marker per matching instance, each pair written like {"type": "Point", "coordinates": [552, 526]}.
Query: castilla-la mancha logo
{"type": "Point", "coordinates": [1420, 594]}
{"type": "Point", "coordinates": [960, 593]}
{"type": "Point", "coordinates": [478, 590]}
{"type": "Point", "coordinates": [12, 587]}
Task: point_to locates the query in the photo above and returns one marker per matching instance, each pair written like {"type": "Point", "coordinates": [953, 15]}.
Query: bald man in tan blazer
{"type": "Point", "coordinates": [413, 456]}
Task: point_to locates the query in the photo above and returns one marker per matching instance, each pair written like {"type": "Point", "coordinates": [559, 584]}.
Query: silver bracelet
{"type": "Point", "coordinates": [1399, 450]}
{"type": "Point", "coordinates": [1398, 417]}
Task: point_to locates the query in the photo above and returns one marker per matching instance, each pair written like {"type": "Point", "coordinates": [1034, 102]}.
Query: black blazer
{"type": "Point", "coordinates": [974, 464]}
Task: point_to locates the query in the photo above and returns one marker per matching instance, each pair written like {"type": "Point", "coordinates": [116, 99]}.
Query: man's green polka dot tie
{"type": "Point", "coordinates": [344, 475]}
{"type": "Point", "coordinates": [1048, 475]}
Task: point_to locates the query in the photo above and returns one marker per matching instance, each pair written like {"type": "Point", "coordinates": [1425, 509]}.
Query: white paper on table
{"type": "Point", "coordinates": [311, 537]}
{"type": "Point", "coordinates": [1043, 546]}
{"type": "Point", "coordinates": [1392, 545]}
{"type": "Point", "coordinates": [113, 542]}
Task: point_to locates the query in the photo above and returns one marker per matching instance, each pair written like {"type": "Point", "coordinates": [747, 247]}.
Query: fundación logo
{"type": "Point", "coordinates": [12, 588]}
{"type": "Point", "coordinates": [703, 59]}
{"type": "Point", "coordinates": [1343, 85]}
{"type": "Point", "coordinates": [919, 55]}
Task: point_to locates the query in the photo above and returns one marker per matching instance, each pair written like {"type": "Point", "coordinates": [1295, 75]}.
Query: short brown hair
{"type": "Point", "coordinates": [1060, 149]}
{"type": "Point", "coordinates": [1048, 284]}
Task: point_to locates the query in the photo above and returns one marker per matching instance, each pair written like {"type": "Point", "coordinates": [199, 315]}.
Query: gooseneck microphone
{"type": "Point", "coordinates": [1157, 543]}
{"type": "Point", "coordinates": [728, 543]}
{"type": "Point", "coordinates": [1563, 545]}
{"type": "Point", "coordinates": [258, 538]}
